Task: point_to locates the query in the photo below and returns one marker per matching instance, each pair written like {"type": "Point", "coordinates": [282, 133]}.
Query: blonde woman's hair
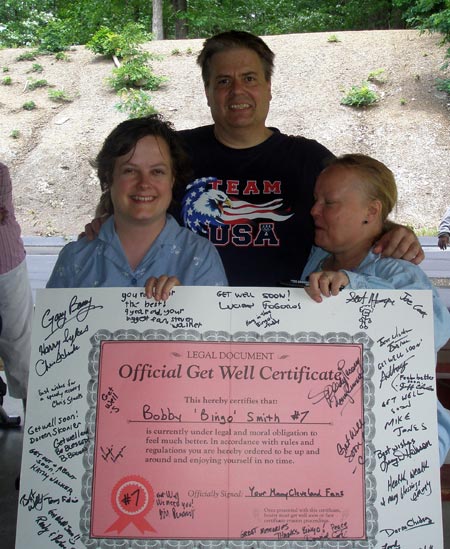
{"type": "Point", "coordinates": [377, 180]}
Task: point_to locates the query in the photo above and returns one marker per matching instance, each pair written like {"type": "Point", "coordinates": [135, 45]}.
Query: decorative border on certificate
{"type": "Point", "coordinates": [132, 497]}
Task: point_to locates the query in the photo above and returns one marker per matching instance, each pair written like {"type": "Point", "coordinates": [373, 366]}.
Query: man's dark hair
{"type": "Point", "coordinates": [232, 40]}
{"type": "Point", "coordinates": [122, 140]}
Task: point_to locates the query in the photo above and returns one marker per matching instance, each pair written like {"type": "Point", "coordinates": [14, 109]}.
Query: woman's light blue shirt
{"type": "Point", "coordinates": [388, 273]}
{"type": "Point", "coordinates": [102, 262]}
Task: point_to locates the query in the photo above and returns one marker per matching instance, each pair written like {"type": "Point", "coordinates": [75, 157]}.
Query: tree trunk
{"type": "Point", "coordinates": [181, 27]}
{"type": "Point", "coordinates": [157, 20]}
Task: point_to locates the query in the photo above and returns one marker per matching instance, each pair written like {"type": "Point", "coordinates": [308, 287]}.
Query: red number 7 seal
{"type": "Point", "coordinates": [132, 498]}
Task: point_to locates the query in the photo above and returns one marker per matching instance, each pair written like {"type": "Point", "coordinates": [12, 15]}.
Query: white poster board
{"type": "Point", "coordinates": [231, 416]}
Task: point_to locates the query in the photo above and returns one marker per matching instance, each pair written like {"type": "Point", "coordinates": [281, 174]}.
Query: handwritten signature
{"type": "Point", "coordinates": [411, 524]}
{"type": "Point", "coordinates": [77, 310]}
{"type": "Point", "coordinates": [349, 378]}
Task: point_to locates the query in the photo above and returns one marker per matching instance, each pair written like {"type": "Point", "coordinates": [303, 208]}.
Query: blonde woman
{"type": "Point", "coordinates": [354, 195]}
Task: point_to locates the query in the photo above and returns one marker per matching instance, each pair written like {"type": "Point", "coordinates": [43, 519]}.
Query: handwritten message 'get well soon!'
{"type": "Point", "coordinates": [227, 416]}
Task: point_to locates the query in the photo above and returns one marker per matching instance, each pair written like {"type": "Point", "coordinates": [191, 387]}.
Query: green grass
{"type": "Point", "coordinates": [443, 84]}
{"type": "Point", "coordinates": [29, 105]}
{"type": "Point", "coordinates": [36, 67]}
{"type": "Point", "coordinates": [27, 56]}
{"type": "Point", "coordinates": [34, 84]}
{"type": "Point", "coordinates": [59, 96]}
{"type": "Point", "coordinates": [61, 56]}
{"type": "Point", "coordinates": [377, 75]}
{"type": "Point", "coordinates": [134, 74]}
{"type": "Point", "coordinates": [135, 103]}
{"type": "Point", "coordinates": [360, 96]}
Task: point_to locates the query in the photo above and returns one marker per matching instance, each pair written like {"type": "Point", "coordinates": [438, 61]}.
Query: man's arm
{"type": "Point", "coordinates": [399, 242]}
{"type": "Point", "coordinates": [92, 228]}
{"type": "Point", "coordinates": [103, 210]}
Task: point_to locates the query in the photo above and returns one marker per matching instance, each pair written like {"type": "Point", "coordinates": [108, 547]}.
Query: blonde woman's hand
{"type": "Point", "coordinates": [326, 283]}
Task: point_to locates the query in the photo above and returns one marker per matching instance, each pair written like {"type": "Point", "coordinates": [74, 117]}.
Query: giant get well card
{"type": "Point", "coordinates": [230, 416]}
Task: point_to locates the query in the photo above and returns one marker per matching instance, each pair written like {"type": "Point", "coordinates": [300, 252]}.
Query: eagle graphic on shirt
{"type": "Point", "coordinates": [204, 206]}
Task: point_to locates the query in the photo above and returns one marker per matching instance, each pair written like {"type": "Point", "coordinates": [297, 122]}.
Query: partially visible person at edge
{"type": "Point", "coordinates": [253, 185]}
{"type": "Point", "coordinates": [353, 197]}
{"type": "Point", "coordinates": [140, 243]}
{"type": "Point", "coordinates": [444, 231]}
{"type": "Point", "coordinates": [16, 300]}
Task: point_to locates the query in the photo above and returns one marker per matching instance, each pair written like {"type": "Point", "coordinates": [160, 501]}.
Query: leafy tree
{"type": "Point", "coordinates": [20, 21]}
{"type": "Point", "coordinates": [85, 17]}
{"type": "Point", "coordinates": [432, 15]}
{"type": "Point", "coordinates": [23, 21]}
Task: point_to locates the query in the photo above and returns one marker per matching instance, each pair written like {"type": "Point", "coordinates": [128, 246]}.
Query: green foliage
{"type": "Point", "coordinates": [443, 84]}
{"type": "Point", "coordinates": [29, 105]}
{"type": "Point", "coordinates": [206, 17]}
{"type": "Point", "coordinates": [7, 81]}
{"type": "Point", "coordinates": [5, 69]}
{"type": "Point", "coordinates": [104, 42]}
{"type": "Point", "coordinates": [366, 14]}
{"type": "Point", "coordinates": [36, 67]}
{"type": "Point", "coordinates": [54, 37]}
{"type": "Point", "coordinates": [377, 75]}
{"type": "Point", "coordinates": [59, 96]}
{"type": "Point", "coordinates": [54, 24]}
{"type": "Point", "coordinates": [15, 134]}
{"type": "Point", "coordinates": [85, 17]}
{"type": "Point", "coordinates": [34, 84]}
{"type": "Point", "coordinates": [333, 38]}
{"type": "Point", "coordinates": [360, 96]}
{"type": "Point", "coordinates": [21, 21]}
{"type": "Point", "coordinates": [135, 103]}
{"type": "Point", "coordinates": [124, 44]}
{"type": "Point", "coordinates": [61, 56]}
{"type": "Point", "coordinates": [134, 74]}
{"type": "Point", "coordinates": [432, 15]}
{"type": "Point", "coordinates": [27, 56]}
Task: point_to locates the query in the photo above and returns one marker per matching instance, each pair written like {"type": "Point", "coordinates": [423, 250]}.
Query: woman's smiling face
{"type": "Point", "coordinates": [142, 182]}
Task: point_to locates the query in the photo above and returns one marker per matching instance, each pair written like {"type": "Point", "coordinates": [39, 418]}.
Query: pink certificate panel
{"type": "Point", "coordinates": [256, 441]}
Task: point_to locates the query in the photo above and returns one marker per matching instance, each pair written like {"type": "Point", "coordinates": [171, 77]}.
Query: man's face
{"type": "Point", "coordinates": [238, 93]}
